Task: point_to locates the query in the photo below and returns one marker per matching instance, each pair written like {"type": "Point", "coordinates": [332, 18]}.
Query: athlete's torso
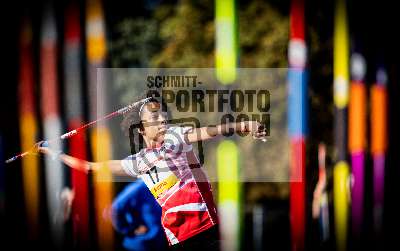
{"type": "Point", "coordinates": [173, 174]}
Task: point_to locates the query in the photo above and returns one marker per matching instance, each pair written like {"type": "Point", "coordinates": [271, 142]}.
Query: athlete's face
{"type": "Point", "coordinates": [154, 122]}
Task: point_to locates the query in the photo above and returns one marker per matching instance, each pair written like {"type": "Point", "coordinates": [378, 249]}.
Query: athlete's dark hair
{"type": "Point", "coordinates": [132, 121]}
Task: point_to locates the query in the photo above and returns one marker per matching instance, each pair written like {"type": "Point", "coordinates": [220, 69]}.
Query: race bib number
{"type": "Point", "coordinates": [162, 186]}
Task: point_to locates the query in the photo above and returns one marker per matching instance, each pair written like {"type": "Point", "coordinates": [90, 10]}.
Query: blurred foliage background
{"type": "Point", "coordinates": [183, 35]}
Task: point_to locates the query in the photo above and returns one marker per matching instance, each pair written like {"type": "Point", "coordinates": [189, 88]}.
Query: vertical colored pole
{"type": "Point", "coordinates": [341, 98]}
{"type": "Point", "coordinates": [378, 145]}
{"type": "Point", "coordinates": [100, 137]}
{"type": "Point", "coordinates": [226, 41]}
{"type": "Point", "coordinates": [297, 117]}
{"type": "Point", "coordinates": [229, 200]}
{"type": "Point", "coordinates": [28, 129]}
{"type": "Point", "coordinates": [357, 141]}
{"type": "Point", "coordinates": [51, 121]}
{"type": "Point", "coordinates": [229, 193]}
{"type": "Point", "coordinates": [74, 114]}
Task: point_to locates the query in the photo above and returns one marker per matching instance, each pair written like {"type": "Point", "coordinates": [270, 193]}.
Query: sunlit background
{"type": "Point", "coordinates": [342, 115]}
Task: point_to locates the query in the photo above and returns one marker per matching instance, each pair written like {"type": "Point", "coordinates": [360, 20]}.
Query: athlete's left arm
{"type": "Point", "coordinates": [114, 166]}
{"type": "Point", "coordinates": [255, 128]}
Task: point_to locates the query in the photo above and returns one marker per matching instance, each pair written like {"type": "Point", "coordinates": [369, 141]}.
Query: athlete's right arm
{"type": "Point", "coordinates": [83, 165]}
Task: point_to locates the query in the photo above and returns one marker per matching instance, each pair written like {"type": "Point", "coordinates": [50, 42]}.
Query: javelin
{"type": "Point", "coordinates": [83, 127]}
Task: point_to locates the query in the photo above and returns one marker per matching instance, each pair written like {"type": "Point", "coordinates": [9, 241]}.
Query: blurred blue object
{"type": "Point", "coordinates": [297, 102]}
{"type": "Point", "coordinates": [133, 210]}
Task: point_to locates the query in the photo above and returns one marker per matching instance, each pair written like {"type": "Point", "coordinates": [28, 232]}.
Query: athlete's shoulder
{"type": "Point", "coordinates": [180, 129]}
{"type": "Point", "coordinates": [131, 157]}
{"type": "Point", "coordinates": [176, 135]}
{"type": "Point", "coordinates": [129, 165]}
